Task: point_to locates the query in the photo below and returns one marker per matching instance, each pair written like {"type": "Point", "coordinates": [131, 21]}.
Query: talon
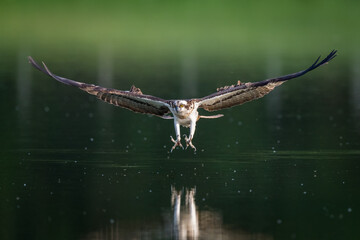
{"type": "Point", "coordinates": [189, 143]}
{"type": "Point", "coordinates": [176, 143]}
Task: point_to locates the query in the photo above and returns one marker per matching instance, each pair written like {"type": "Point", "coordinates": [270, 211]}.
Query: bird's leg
{"type": "Point", "coordinates": [176, 143]}
{"type": "Point", "coordinates": [189, 143]}
{"type": "Point", "coordinates": [191, 135]}
{"type": "Point", "coordinates": [178, 138]}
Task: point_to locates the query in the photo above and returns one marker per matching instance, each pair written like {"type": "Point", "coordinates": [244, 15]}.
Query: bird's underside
{"type": "Point", "coordinates": [184, 112]}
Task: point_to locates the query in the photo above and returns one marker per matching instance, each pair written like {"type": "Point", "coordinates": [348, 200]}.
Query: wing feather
{"type": "Point", "coordinates": [241, 93]}
{"type": "Point", "coordinates": [133, 99]}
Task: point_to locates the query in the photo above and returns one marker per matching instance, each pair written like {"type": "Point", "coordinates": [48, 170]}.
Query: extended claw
{"type": "Point", "coordinates": [176, 143]}
{"type": "Point", "coordinates": [189, 143]}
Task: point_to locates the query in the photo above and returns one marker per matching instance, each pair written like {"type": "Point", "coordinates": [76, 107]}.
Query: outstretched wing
{"type": "Point", "coordinates": [133, 99]}
{"type": "Point", "coordinates": [241, 93]}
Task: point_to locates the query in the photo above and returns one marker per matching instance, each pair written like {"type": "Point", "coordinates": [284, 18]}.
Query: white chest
{"type": "Point", "coordinates": [185, 122]}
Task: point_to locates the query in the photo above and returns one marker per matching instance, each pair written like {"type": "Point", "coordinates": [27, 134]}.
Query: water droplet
{"type": "Point", "coordinates": [349, 210]}
{"type": "Point", "coordinates": [279, 221]}
{"type": "Point", "coordinates": [112, 221]}
{"type": "Point", "coordinates": [46, 109]}
{"type": "Point", "coordinates": [91, 139]}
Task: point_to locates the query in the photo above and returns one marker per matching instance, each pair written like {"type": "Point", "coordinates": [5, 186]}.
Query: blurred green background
{"type": "Point", "coordinates": [164, 27]}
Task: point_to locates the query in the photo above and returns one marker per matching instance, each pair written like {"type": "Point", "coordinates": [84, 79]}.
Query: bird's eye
{"type": "Point", "coordinates": [181, 105]}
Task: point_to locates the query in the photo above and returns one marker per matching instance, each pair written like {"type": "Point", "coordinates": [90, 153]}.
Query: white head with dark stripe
{"type": "Point", "coordinates": [182, 108]}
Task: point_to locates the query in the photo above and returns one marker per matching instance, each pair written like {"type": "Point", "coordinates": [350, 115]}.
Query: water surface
{"type": "Point", "coordinates": [283, 167]}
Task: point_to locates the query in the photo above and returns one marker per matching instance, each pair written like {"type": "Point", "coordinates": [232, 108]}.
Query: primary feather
{"type": "Point", "coordinates": [242, 93]}
{"type": "Point", "coordinates": [134, 99]}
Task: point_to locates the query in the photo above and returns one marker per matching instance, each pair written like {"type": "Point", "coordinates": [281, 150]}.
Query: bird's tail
{"type": "Point", "coordinates": [212, 117]}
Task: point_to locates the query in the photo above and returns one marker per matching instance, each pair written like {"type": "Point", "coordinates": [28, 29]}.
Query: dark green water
{"type": "Point", "coordinates": [283, 167]}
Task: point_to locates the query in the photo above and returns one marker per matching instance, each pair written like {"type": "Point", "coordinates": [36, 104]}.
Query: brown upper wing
{"type": "Point", "coordinates": [241, 93]}
{"type": "Point", "coordinates": [133, 99]}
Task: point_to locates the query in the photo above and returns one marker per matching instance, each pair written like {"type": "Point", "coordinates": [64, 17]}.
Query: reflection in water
{"type": "Point", "coordinates": [183, 221]}
{"type": "Point", "coordinates": [189, 73]}
{"type": "Point", "coordinates": [105, 74]}
{"type": "Point", "coordinates": [274, 68]}
{"type": "Point", "coordinates": [186, 223]}
{"type": "Point", "coordinates": [23, 88]}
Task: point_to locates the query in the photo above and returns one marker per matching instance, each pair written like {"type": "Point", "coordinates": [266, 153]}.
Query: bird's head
{"type": "Point", "coordinates": [183, 108]}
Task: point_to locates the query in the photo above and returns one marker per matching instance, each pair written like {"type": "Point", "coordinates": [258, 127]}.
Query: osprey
{"type": "Point", "coordinates": [184, 112]}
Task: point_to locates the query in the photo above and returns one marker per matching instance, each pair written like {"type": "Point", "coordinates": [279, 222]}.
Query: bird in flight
{"type": "Point", "coordinates": [184, 112]}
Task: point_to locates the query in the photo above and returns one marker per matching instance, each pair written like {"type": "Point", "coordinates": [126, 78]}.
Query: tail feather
{"type": "Point", "coordinates": [213, 116]}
